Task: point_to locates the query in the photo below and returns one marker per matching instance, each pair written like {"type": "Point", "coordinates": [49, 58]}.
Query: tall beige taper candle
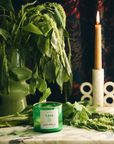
{"type": "Point", "coordinates": [98, 72]}
{"type": "Point", "coordinates": [98, 55]}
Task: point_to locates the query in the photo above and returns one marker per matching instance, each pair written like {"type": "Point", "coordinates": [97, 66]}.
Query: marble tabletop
{"type": "Point", "coordinates": [68, 135]}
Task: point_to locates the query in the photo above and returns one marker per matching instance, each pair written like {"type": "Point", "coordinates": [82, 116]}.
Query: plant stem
{"type": "Point", "coordinates": [29, 4]}
{"type": "Point", "coordinates": [19, 27]}
{"type": "Point", "coordinates": [5, 16]}
{"type": "Point", "coordinates": [65, 91]}
{"type": "Point", "coordinates": [69, 56]}
{"type": "Point", "coordinates": [14, 115]}
{"type": "Point", "coordinates": [86, 109]}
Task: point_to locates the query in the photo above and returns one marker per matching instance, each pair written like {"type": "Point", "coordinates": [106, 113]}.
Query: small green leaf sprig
{"type": "Point", "coordinates": [23, 118]}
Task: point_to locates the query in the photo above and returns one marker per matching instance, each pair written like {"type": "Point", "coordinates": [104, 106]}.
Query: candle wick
{"type": "Point", "coordinates": [97, 22]}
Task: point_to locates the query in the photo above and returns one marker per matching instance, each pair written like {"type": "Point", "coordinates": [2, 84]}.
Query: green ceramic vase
{"type": "Point", "coordinates": [16, 100]}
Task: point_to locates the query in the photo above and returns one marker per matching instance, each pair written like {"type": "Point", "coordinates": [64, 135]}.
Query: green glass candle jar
{"type": "Point", "coordinates": [47, 116]}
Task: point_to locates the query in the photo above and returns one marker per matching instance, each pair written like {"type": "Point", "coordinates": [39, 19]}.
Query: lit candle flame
{"type": "Point", "coordinates": [97, 18]}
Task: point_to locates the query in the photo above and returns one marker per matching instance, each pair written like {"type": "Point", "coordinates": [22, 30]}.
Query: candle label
{"type": "Point", "coordinates": [49, 119]}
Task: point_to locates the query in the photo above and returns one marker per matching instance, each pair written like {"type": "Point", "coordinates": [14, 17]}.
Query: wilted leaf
{"type": "Point", "coordinates": [59, 78]}
{"type": "Point", "coordinates": [49, 71]}
{"type": "Point", "coordinates": [41, 84]}
{"type": "Point", "coordinates": [92, 108]}
{"type": "Point", "coordinates": [67, 109]}
{"type": "Point", "coordinates": [67, 65]}
{"type": "Point", "coordinates": [45, 27]}
{"type": "Point", "coordinates": [78, 106]}
{"type": "Point", "coordinates": [83, 116]}
{"type": "Point", "coordinates": [59, 18]}
{"type": "Point", "coordinates": [66, 34]}
{"type": "Point", "coordinates": [45, 94]}
{"type": "Point", "coordinates": [7, 5]}
{"type": "Point", "coordinates": [85, 102]}
{"type": "Point", "coordinates": [43, 44]}
{"type": "Point", "coordinates": [54, 42]}
{"type": "Point", "coordinates": [4, 34]}
{"type": "Point", "coordinates": [32, 28]}
{"type": "Point", "coordinates": [43, 61]}
{"type": "Point", "coordinates": [32, 85]}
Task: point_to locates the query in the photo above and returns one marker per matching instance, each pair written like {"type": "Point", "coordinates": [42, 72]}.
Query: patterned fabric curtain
{"type": "Point", "coordinates": [81, 19]}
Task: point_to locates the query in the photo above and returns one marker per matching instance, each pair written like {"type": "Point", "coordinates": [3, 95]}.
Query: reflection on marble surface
{"type": "Point", "coordinates": [106, 110]}
{"type": "Point", "coordinates": [68, 135]}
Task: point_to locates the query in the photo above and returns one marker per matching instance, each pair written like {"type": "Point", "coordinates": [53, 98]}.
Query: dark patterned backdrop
{"type": "Point", "coordinates": [81, 15]}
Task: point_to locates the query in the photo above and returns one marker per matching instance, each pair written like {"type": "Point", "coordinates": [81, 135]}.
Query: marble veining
{"type": "Point", "coordinates": [68, 135]}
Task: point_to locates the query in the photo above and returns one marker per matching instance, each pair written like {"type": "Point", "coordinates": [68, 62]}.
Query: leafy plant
{"type": "Point", "coordinates": [39, 33]}
{"type": "Point", "coordinates": [78, 114]}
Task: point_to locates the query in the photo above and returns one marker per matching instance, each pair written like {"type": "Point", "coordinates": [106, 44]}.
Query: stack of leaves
{"type": "Point", "coordinates": [81, 115]}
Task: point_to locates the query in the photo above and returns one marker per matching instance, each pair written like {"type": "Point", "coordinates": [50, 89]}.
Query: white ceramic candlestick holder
{"type": "Point", "coordinates": [97, 83]}
{"type": "Point", "coordinates": [98, 93]}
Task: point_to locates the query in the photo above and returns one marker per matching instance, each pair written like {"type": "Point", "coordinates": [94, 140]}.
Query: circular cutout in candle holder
{"type": "Point", "coordinates": [110, 97]}
{"type": "Point", "coordinates": [82, 88]}
{"type": "Point", "coordinates": [86, 96]}
{"type": "Point", "coordinates": [105, 88]}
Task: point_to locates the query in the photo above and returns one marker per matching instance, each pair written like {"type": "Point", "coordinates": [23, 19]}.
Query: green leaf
{"type": "Point", "coordinates": [67, 109]}
{"type": "Point", "coordinates": [45, 94]}
{"type": "Point", "coordinates": [7, 5]}
{"type": "Point", "coordinates": [58, 18]}
{"type": "Point", "coordinates": [43, 44]}
{"type": "Point", "coordinates": [49, 71]}
{"type": "Point", "coordinates": [67, 65]}
{"type": "Point", "coordinates": [57, 62]}
{"type": "Point", "coordinates": [62, 76]}
{"type": "Point", "coordinates": [41, 84]}
{"type": "Point", "coordinates": [92, 108]}
{"type": "Point", "coordinates": [83, 116]}
{"type": "Point", "coordinates": [66, 34]}
{"type": "Point", "coordinates": [48, 53]}
{"type": "Point", "coordinates": [85, 102]}
{"type": "Point", "coordinates": [68, 87]}
{"type": "Point", "coordinates": [54, 42]}
{"type": "Point", "coordinates": [78, 106]}
{"type": "Point", "coordinates": [65, 75]}
{"type": "Point", "coordinates": [32, 85]}
{"type": "Point", "coordinates": [32, 28]}
{"type": "Point", "coordinates": [45, 27]}
{"type": "Point", "coordinates": [4, 34]}
{"type": "Point", "coordinates": [43, 61]}
{"type": "Point", "coordinates": [59, 78]}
